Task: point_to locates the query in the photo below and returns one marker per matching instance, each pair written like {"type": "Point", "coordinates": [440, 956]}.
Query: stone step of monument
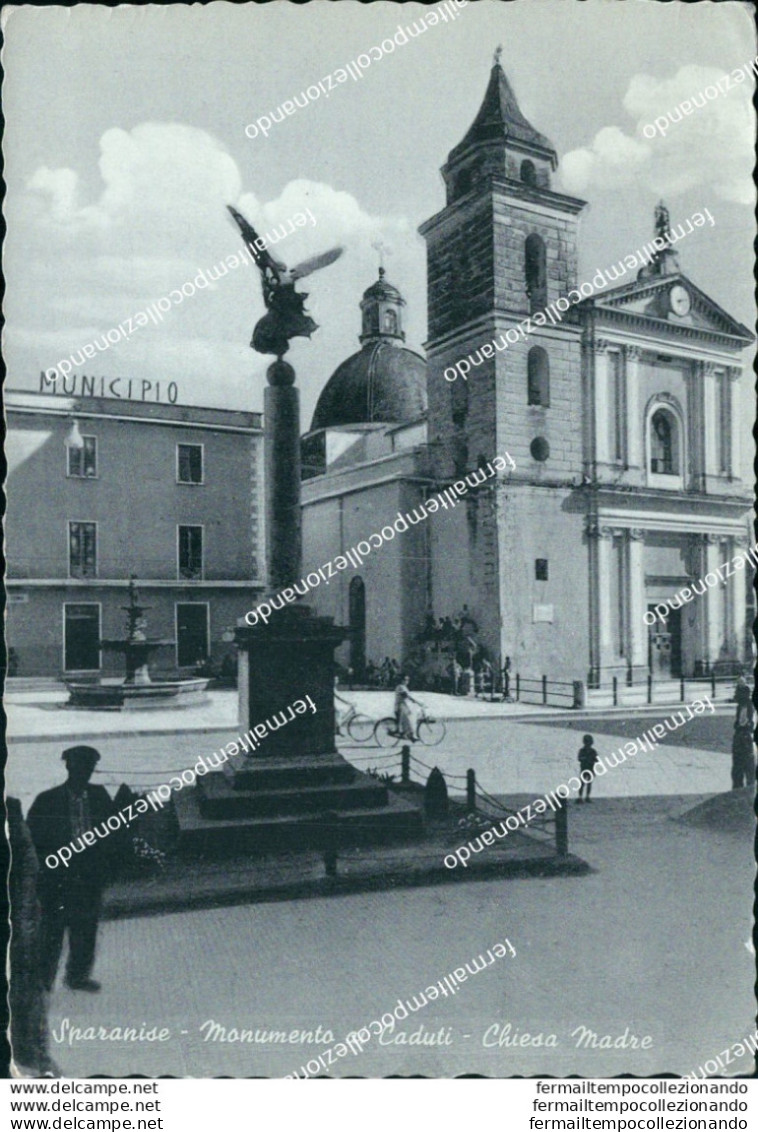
{"type": "Point", "coordinates": [398, 820]}
{"type": "Point", "coordinates": [245, 773]}
{"type": "Point", "coordinates": [219, 799]}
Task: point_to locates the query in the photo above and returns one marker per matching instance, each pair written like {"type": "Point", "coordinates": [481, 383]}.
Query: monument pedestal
{"type": "Point", "coordinates": [289, 659]}
{"type": "Point", "coordinates": [295, 791]}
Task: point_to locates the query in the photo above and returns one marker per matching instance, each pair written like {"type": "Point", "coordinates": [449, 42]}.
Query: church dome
{"type": "Point", "coordinates": [384, 383]}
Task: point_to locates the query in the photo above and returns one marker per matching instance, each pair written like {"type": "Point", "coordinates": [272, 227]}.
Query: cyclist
{"type": "Point", "coordinates": [403, 716]}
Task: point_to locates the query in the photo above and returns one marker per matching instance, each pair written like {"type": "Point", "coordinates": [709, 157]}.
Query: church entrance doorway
{"type": "Point", "coordinates": [665, 645]}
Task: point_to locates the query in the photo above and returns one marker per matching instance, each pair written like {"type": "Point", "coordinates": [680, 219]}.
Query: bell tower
{"type": "Point", "coordinates": [501, 252]}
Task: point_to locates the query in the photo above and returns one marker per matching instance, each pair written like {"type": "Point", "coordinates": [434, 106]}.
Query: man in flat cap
{"type": "Point", "coordinates": [70, 891]}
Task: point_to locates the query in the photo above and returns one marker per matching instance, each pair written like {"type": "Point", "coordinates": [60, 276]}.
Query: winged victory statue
{"type": "Point", "coordinates": [285, 316]}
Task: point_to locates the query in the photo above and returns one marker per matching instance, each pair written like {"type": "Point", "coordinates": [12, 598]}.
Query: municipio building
{"type": "Point", "coordinates": [622, 419]}
{"type": "Point", "coordinates": [101, 488]}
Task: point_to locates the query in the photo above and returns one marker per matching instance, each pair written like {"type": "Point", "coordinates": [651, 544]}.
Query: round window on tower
{"type": "Point", "coordinates": [540, 449]}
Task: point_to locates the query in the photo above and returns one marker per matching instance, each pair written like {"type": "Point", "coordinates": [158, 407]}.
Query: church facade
{"type": "Point", "coordinates": [621, 419]}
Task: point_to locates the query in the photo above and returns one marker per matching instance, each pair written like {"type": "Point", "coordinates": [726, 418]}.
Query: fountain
{"type": "Point", "coordinates": [136, 691]}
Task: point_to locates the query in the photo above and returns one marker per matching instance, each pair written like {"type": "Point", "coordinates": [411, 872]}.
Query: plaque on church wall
{"type": "Point", "coordinates": [288, 283]}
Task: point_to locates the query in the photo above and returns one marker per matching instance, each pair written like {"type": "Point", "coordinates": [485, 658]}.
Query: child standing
{"type": "Point", "coordinates": [588, 757]}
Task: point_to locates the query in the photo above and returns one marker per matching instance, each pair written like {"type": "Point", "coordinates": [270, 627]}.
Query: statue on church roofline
{"type": "Point", "coordinates": [662, 220]}
{"type": "Point", "coordinates": [663, 260]}
{"type": "Point", "coordinates": [285, 316]}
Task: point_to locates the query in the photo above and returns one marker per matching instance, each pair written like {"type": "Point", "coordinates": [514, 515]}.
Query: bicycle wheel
{"type": "Point", "coordinates": [360, 728]}
{"type": "Point", "coordinates": [431, 732]}
{"type": "Point", "coordinates": [385, 732]}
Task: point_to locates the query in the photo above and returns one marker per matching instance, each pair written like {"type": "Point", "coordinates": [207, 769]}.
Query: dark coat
{"type": "Point", "coordinates": [588, 756]}
{"type": "Point", "coordinates": [742, 742]}
{"type": "Point", "coordinates": [29, 1034]}
{"type": "Point", "coordinates": [49, 823]}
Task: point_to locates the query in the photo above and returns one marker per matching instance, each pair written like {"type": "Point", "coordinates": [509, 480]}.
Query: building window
{"type": "Point", "coordinates": [463, 183]}
{"type": "Point", "coordinates": [538, 377]}
{"type": "Point", "coordinates": [390, 322]}
{"type": "Point", "coordinates": [664, 455]}
{"type": "Point", "coordinates": [535, 272]}
{"type": "Point", "coordinates": [459, 403]}
{"type": "Point", "coordinates": [540, 569]}
{"type": "Point", "coordinates": [82, 550]}
{"type": "Point", "coordinates": [529, 174]}
{"type": "Point", "coordinates": [82, 462]}
{"type": "Point", "coordinates": [81, 637]}
{"type": "Point", "coordinates": [190, 552]}
{"type": "Point", "coordinates": [189, 463]}
{"type": "Point", "coordinates": [540, 449]}
{"type": "Point", "coordinates": [192, 636]}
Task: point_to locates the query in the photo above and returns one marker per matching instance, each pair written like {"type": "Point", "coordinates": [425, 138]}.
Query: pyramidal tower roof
{"type": "Point", "coordinates": [500, 119]}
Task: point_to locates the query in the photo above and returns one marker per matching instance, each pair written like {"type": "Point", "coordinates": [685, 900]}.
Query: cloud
{"type": "Point", "coordinates": [614, 157]}
{"type": "Point", "coordinates": [60, 186]}
{"type": "Point", "coordinates": [78, 267]}
{"type": "Point", "coordinates": [165, 170]}
{"type": "Point", "coordinates": [708, 145]}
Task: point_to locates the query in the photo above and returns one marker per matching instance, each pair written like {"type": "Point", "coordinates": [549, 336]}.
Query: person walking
{"type": "Point", "coordinates": [588, 757]}
{"type": "Point", "coordinates": [507, 680]}
{"type": "Point", "coordinates": [486, 683]}
{"type": "Point", "coordinates": [455, 672]}
{"type": "Point", "coordinates": [70, 896]}
{"type": "Point", "coordinates": [743, 755]}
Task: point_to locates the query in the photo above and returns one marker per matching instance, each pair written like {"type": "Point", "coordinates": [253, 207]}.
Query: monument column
{"type": "Point", "coordinates": [282, 461]}
{"type": "Point", "coordinates": [286, 653]}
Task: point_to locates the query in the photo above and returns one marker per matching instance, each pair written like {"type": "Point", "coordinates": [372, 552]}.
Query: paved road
{"type": "Point", "coordinates": [510, 756]}
{"type": "Point", "coordinates": [651, 943]}
{"type": "Point", "coordinates": [531, 756]}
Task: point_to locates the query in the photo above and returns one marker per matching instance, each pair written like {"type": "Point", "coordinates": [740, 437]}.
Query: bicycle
{"type": "Point", "coordinates": [359, 727]}
{"type": "Point", "coordinates": [429, 731]}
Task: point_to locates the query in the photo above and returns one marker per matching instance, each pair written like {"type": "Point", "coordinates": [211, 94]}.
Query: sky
{"type": "Point", "coordinates": [125, 139]}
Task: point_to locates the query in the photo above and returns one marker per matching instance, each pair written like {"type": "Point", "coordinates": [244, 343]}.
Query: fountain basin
{"type": "Point", "coordinates": [116, 693]}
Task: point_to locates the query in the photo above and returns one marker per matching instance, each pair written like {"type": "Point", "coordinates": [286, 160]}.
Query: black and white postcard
{"type": "Point", "coordinates": [379, 536]}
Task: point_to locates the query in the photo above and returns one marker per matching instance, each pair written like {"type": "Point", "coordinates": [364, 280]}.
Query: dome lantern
{"type": "Point", "coordinates": [382, 312]}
